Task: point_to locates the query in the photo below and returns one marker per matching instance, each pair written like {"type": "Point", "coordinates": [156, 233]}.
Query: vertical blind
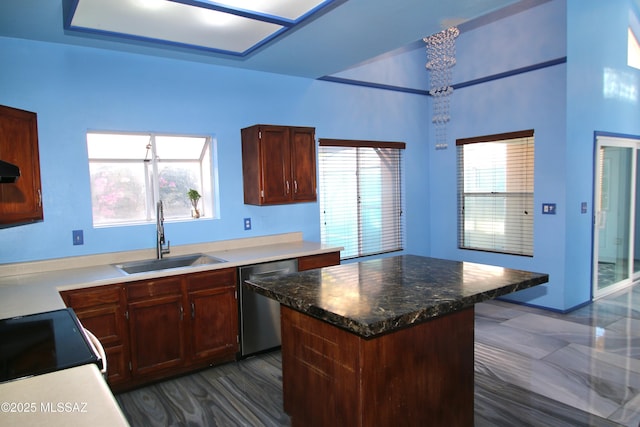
{"type": "Point", "coordinates": [495, 193]}
{"type": "Point", "coordinates": [361, 196]}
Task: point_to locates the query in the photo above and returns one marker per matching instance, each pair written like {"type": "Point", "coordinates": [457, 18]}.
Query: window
{"type": "Point", "coordinates": [495, 193]}
{"type": "Point", "coordinates": [130, 172]}
{"type": "Point", "coordinates": [361, 196]}
{"type": "Point", "coordinates": [633, 50]}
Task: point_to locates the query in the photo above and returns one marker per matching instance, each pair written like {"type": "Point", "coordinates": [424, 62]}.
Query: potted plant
{"type": "Point", "coordinates": [194, 196]}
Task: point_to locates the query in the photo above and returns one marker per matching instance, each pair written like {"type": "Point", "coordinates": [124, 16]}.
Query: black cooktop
{"type": "Point", "coordinates": [41, 343]}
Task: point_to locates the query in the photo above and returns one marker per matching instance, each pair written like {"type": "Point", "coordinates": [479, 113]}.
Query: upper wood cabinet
{"type": "Point", "coordinates": [20, 202]}
{"type": "Point", "coordinates": [278, 164]}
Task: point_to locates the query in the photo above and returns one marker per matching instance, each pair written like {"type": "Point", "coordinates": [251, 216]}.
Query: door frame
{"type": "Point", "coordinates": [622, 141]}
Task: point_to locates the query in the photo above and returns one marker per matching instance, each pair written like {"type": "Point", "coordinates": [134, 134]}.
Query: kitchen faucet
{"type": "Point", "coordinates": [160, 250]}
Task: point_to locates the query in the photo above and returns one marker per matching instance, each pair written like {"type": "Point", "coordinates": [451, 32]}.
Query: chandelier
{"type": "Point", "coordinates": [441, 57]}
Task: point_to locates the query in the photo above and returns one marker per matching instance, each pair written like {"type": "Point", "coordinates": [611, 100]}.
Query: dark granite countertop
{"type": "Point", "coordinates": [374, 297]}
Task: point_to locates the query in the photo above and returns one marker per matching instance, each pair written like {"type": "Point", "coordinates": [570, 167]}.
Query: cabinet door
{"type": "Point", "coordinates": [276, 166]}
{"type": "Point", "coordinates": [214, 319]}
{"type": "Point", "coordinates": [303, 164]}
{"type": "Point", "coordinates": [20, 202]}
{"type": "Point", "coordinates": [157, 334]}
{"type": "Point", "coordinates": [101, 310]}
{"type": "Point", "coordinates": [213, 306]}
{"type": "Point", "coordinates": [117, 365]}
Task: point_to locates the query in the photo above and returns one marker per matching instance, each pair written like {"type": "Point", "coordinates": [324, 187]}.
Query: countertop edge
{"type": "Point", "coordinates": [60, 398]}
{"type": "Point", "coordinates": [405, 320]}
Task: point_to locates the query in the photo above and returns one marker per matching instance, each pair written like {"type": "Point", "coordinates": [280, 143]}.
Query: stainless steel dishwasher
{"type": "Point", "coordinates": [259, 315]}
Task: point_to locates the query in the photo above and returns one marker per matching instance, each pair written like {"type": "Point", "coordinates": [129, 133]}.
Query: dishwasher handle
{"type": "Point", "coordinates": [271, 273]}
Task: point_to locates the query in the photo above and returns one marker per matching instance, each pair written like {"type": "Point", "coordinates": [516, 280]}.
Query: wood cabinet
{"type": "Point", "coordinates": [101, 310]}
{"type": "Point", "coordinates": [20, 202]}
{"type": "Point", "coordinates": [318, 261]}
{"type": "Point", "coordinates": [278, 164]}
{"type": "Point", "coordinates": [156, 328]}
{"type": "Point", "coordinates": [213, 307]}
{"type": "Point", "coordinates": [405, 377]}
{"type": "Point", "coordinates": [153, 329]}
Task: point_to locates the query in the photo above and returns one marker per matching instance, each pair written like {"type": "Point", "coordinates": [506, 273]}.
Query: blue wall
{"type": "Point", "coordinates": [565, 104]}
{"type": "Point", "coordinates": [75, 89]}
{"type": "Point", "coordinates": [596, 42]}
{"type": "Point", "coordinates": [532, 100]}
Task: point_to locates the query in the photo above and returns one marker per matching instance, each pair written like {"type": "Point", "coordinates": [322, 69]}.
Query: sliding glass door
{"type": "Point", "coordinates": [616, 239]}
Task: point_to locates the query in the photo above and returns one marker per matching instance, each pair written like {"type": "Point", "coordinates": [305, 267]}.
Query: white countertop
{"type": "Point", "coordinates": [34, 287]}
{"type": "Point", "coordinates": [71, 397]}
{"type": "Point", "coordinates": [29, 288]}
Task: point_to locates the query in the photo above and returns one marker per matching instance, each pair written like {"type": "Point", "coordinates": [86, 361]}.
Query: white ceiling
{"type": "Point", "coordinates": [345, 34]}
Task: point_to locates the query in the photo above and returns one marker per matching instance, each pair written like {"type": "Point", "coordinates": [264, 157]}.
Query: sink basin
{"type": "Point", "coordinates": [166, 263]}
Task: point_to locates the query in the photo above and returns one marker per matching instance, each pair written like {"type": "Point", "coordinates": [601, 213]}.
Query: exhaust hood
{"type": "Point", "coordinates": [9, 173]}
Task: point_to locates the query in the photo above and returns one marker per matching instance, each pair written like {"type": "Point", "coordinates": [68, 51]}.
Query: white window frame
{"type": "Point", "coordinates": [206, 185]}
{"type": "Point", "coordinates": [633, 43]}
{"type": "Point", "coordinates": [496, 193]}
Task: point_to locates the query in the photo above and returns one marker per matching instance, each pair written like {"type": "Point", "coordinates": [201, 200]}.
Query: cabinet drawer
{"type": "Point", "coordinates": [317, 261]}
{"type": "Point", "coordinates": [153, 288]}
{"type": "Point", "coordinates": [91, 297]}
{"type": "Point", "coordinates": [211, 279]}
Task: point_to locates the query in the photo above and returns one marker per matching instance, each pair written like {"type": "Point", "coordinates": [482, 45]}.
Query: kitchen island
{"type": "Point", "coordinates": [384, 342]}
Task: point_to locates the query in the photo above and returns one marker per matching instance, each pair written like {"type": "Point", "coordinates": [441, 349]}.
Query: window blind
{"type": "Point", "coordinates": [361, 196]}
{"type": "Point", "coordinates": [495, 193]}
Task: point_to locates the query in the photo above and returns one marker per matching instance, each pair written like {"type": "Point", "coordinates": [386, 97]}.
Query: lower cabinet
{"type": "Point", "coordinates": [213, 312]}
{"type": "Point", "coordinates": [318, 261]}
{"type": "Point", "coordinates": [153, 329]}
{"type": "Point", "coordinates": [102, 310]}
{"type": "Point", "coordinates": [156, 326]}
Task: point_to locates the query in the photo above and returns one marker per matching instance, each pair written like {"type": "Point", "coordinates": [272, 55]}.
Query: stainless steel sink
{"type": "Point", "coordinates": [149, 265]}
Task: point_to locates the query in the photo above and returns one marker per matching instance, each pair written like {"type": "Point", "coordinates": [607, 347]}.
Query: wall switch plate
{"type": "Point", "coordinates": [549, 208]}
{"type": "Point", "coordinates": [78, 237]}
{"type": "Point", "coordinates": [583, 207]}
{"type": "Point", "coordinates": [247, 223]}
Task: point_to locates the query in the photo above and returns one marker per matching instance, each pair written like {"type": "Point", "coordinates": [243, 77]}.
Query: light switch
{"type": "Point", "coordinates": [549, 208]}
{"type": "Point", "coordinates": [78, 237]}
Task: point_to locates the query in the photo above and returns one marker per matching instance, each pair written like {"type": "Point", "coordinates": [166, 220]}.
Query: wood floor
{"type": "Point", "coordinates": [532, 368]}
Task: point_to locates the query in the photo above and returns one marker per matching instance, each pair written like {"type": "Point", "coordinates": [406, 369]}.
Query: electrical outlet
{"type": "Point", "coordinates": [247, 223]}
{"type": "Point", "coordinates": [78, 237]}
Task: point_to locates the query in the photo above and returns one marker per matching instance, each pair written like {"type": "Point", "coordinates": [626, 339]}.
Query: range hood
{"type": "Point", "coordinates": [9, 173]}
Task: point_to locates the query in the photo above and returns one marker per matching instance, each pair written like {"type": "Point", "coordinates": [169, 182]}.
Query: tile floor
{"type": "Point", "coordinates": [533, 368]}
